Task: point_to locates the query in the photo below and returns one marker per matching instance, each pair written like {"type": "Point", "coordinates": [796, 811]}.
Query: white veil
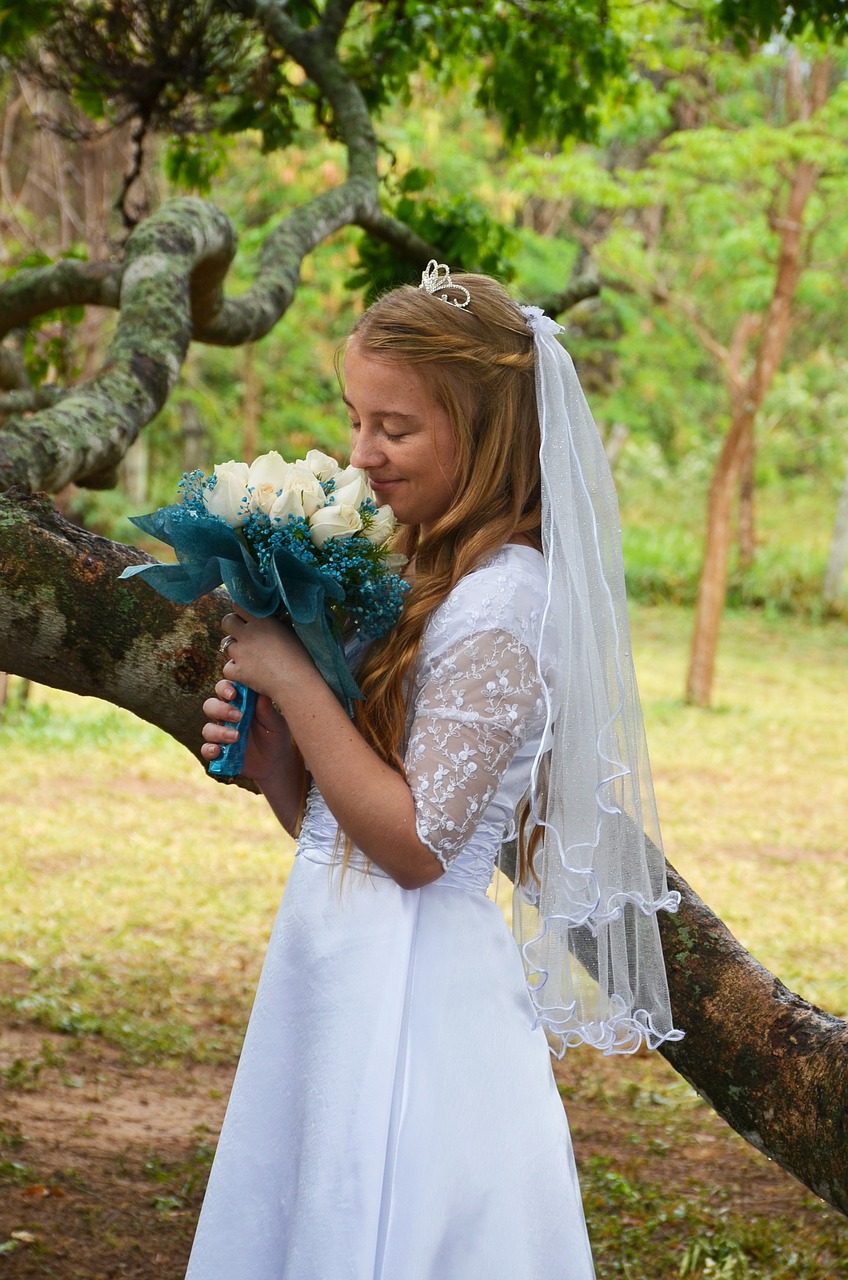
{"type": "Point", "coordinates": [588, 929]}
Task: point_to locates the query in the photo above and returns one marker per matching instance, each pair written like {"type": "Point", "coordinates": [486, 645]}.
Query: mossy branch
{"type": "Point", "coordinates": [175, 263]}
{"type": "Point", "coordinates": [68, 621]}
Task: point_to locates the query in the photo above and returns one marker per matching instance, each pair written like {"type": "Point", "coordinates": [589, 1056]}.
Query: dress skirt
{"type": "Point", "coordinates": [394, 1115]}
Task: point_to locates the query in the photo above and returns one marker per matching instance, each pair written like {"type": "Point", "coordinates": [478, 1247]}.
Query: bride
{"type": "Point", "coordinates": [394, 1114]}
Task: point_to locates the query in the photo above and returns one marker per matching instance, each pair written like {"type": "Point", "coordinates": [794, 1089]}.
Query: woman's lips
{"type": "Point", "coordinates": [382, 486]}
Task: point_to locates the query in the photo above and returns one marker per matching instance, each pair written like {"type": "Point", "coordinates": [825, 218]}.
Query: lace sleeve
{"type": "Point", "coordinates": [477, 704]}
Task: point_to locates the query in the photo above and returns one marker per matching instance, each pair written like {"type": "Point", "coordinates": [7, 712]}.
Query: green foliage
{"type": "Point", "coordinates": [263, 104]}
{"type": "Point", "coordinates": [20, 22]}
{"type": "Point", "coordinates": [720, 1257]}
{"type": "Point", "coordinates": [541, 67]}
{"type": "Point", "coordinates": [466, 234]}
{"type": "Point", "coordinates": [747, 20]}
{"type": "Point", "coordinates": [189, 70]}
{"type": "Point", "coordinates": [192, 161]}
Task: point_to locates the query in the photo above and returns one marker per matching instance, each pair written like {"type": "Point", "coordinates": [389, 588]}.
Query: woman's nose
{"type": "Point", "coordinates": [365, 451]}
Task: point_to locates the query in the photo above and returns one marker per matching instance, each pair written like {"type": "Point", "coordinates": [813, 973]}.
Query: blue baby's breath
{"type": "Point", "coordinates": [373, 595]}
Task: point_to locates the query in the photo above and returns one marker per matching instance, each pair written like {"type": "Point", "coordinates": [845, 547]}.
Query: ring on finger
{"type": "Point", "coordinates": [225, 644]}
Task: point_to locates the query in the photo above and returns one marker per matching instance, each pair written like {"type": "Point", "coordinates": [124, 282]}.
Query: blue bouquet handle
{"type": "Point", "coordinates": [230, 763]}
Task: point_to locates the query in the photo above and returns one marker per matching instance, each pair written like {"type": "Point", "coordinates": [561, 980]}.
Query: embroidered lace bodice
{"type": "Point", "coordinates": [477, 713]}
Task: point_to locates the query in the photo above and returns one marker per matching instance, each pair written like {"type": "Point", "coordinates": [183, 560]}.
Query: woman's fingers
{"type": "Point", "coordinates": [221, 715]}
{"type": "Point", "coordinates": [214, 731]}
{"type": "Point", "coordinates": [217, 709]}
{"type": "Point", "coordinates": [230, 623]}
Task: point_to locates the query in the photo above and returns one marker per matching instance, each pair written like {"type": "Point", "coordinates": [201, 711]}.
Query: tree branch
{"type": "Point", "coordinates": [28, 399]}
{"type": "Point", "coordinates": [68, 283]}
{"type": "Point", "coordinates": [13, 375]}
{"type": "Point", "coordinates": [399, 236]}
{"type": "Point", "coordinates": [84, 437]}
{"type": "Point", "coordinates": [255, 312]}
{"type": "Point", "coordinates": [315, 51]}
{"type": "Point", "coordinates": [771, 1065]}
{"type": "Point", "coordinates": [66, 620]}
{"type": "Point", "coordinates": [335, 18]}
{"type": "Point", "coordinates": [577, 289]}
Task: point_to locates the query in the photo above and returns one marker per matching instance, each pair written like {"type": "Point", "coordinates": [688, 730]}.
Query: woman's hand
{"type": "Point", "coordinates": [264, 654]}
{"type": "Point", "coordinates": [269, 742]}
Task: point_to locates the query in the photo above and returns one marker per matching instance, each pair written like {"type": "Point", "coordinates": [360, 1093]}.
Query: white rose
{"type": "Point", "coordinates": [321, 464]}
{"type": "Point", "coordinates": [265, 479]}
{"type": "Point", "coordinates": [334, 521]}
{"type": "Point", "coordinates": [286, 504]}
{"type": "Point", "coordinates": [382, 526]}
{"type": "Point", "coordinates": [354, 491]}
{"type": "Point", "coordinates": [396, 561]}
{"type": "Point", "coordinates": [301, 494]}
{"type": "Point", "coordinates": [268, 469]}
{"type": "Point", "coordinates": [307, 486]}
{"type": "Point", "coordinates": [262, 497]}
{"type": "Point", "coordinates": [229, 497]}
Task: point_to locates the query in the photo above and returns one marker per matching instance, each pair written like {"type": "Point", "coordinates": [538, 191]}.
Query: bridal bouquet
{"type": "Point", "coordinates": [304, 540]}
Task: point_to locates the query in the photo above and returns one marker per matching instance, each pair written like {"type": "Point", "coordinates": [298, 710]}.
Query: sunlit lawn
{"type": "Point", "coordinates": [754, 794]}
{"type": "Point", "coordinates": [138, 895]}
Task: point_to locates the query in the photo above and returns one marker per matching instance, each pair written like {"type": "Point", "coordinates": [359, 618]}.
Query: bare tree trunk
{"type": "Point", "coordinates": [134, 471]}
{"type": "Point", "coordinates": [712, 589]}
{"type": "Point", "coordinates": [838, 557]}
{"type": "Point", "coordinates": [251, 405]}
{"type": "Point", "coordinates": [66, 620]}
{"type": "Point", "coordinates": [748, 398]}
{"type": "Point", "coordinates": [772, 1065]}
{"type": "Point", "coordinates": [194, 437]}
{"type": "Point", "coordinates": [745, 529]}
{"type": "Point", "coordinates": [614, 443]}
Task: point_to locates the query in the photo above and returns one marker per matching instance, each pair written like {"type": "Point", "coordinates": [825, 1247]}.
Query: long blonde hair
{"type": "Point", "coordinates": [479, 366]}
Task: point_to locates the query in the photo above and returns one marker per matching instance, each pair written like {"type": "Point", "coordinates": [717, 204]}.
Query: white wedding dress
{"type": "Point", "coordinates": [394, 1115]}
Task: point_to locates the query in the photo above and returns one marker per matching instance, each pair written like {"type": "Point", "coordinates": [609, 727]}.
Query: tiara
{"type": "Point", "coordinates": [436, 280]}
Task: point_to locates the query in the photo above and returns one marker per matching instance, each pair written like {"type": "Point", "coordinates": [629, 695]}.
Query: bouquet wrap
{"type": "Point", "coordinates": [210, 555]}
{"type": "Point", "coordinates": [302, 541]}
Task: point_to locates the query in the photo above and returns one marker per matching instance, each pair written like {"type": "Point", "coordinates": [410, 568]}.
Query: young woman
{"type": "Point", "coordinates": [394, 1114]}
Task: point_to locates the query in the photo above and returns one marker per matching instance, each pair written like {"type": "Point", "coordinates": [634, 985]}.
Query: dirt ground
{"type": "Point", "coordinates": [103, 1164]}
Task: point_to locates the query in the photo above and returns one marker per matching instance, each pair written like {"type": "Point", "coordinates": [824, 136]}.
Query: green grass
{"type": "Point", "coordinates": [753, 795]}
{"type": "Point", "coordinates": [137, 897]}
{"type": "Point", "coordinates": [663, 520]}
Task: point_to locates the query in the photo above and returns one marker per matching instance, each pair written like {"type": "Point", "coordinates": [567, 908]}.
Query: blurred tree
{"type": "Point", "coordinates": [546, 70]}
{"type": "Point", "coordinates": [714, 214]}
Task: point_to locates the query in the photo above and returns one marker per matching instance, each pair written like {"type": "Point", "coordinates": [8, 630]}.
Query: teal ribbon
{"type": "Point", "coordinates": [211, 554]}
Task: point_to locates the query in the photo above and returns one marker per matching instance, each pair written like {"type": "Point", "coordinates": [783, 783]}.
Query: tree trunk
{"type": "Point", "coordinates": [747, 400]}
{"type": "Point", "coordinates": [134, 473]}
{"type": "Point", "coordinates": [194, 437]}
{"type": "Point", "coordinates": [748, 397]}
{"type": "Point", "coordinates": [773, 1066]}
{"type": "Point", "coordinates": [250, 384]}
{"type": "Point", "coordinates": [745, 529]}
{"type": "Point", "coordinates": [712, 588]}
{"type": "Point", "coordinates": [614, 443]}
{"type": "Point", "coordinates": [838, 557]}
{"type": "Point", "coordinates": [67, 621]}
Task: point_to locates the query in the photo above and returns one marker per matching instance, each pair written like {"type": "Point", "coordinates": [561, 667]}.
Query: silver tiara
{"type": "Point", "coordinates": [437, 281]}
